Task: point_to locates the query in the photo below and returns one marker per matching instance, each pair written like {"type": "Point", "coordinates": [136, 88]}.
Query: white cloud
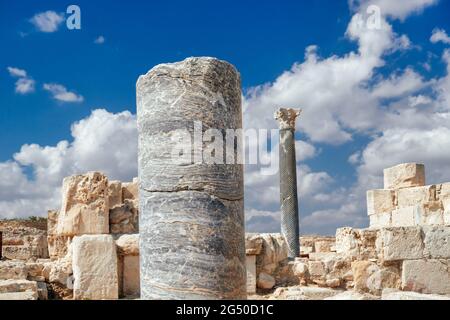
{"type": "Point", "coordinates": [439, 35]}
{"type": "Point", "coordinates": [99, 40]}
{"type": "Point", "coordinates": [394, 9]}
{"type": "Point", "coordinates": [24, 84]}
{"type": "Point", "coordinates": [103, 141]}
{"type": "Point", "coordinates": [48, 21]}
{"type": "Point", "coordinates": [60, 93]}
{"type": "Point", "coordinates": [16, 72]}
{"type": "Point", "coordinates": [399, 85]}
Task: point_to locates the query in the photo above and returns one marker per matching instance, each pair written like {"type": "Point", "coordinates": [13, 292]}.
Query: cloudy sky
{"type": "Point", "coordinates": [375, 93]}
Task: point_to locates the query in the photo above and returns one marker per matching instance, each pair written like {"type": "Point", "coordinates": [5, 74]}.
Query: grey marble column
{"type": "Point", "coordinates": [288, 180]}
{"type": "Point", "coordinates": [192, 242]}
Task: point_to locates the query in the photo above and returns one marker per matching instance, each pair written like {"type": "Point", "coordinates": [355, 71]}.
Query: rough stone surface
{"type": "Point", "coordinates": [95, 267]}
{"type": "Point", "coordinates": [404, 175]}
{"type": "Point", "coordinates": [250, 264]}
{"type": "Point", "coordinates": [390, 294]}
{"type": "Point", "coordinates": [362, 270]}
{"type": "Point", "coordinates": [352, 295]}
{"type": "Point", "coordinates": [128, 244]}
{"type": "Point", "coordinates": [426, 276]}
{"type": "Point", "coordinates": [130, 191]}
{"type": "Point", "coordinates": [85, 205]}
{"type": "Point", "coordinates": [437, 242]}
{"type": "Point", "coordinates": [58, 245]}
{"type": "Point", "coordinates": [265, 281]}
{"type": "Point", "coordinates": [253, 244]}
{"type": "Point", "coordinates": [7, 286]}
{"type": "Point", "coordinates": [191, 224]}
{"type": "Point", "coordinates": [401, 243]}
{"type": "Point", "coordinates": [114, 193]}
{"type": "Point", "coordinates": [130, 280]}
{"type": "Point", "coordinates": [380, 201]}
{"type": "Point", "coordinates": [27, 295]}
{"type": "Point", "coordinates": [13, 270]}
{"type": "Point", "coordinates": [415, 196]}
{"type": "Point", "coordinates": [124, 218]}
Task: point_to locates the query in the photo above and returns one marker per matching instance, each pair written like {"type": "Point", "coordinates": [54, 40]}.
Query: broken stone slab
{"type": "Point", "coordinates": [380, 201]}
{"type": "Point", "coordinates": [392, 294]}
{"type": "Point", "coordinates": [130, 191]}
{"type": "Point", "coordinates": [356, 244]}
{"type": "Point", "coordinates": [85, 205]}
{"type": "Point", "coordinates": [404, 175]}
{"type": "Point", "coordinates": [27, 295]}
{"type": "Point", "coordinates": [253, 243]}
{"type": "Point", "coordinates": [58, 245]}
{"type": "Point", "coordinates": [265, 281]}
{"type": "Point", "coordinates": [124, 218]}
{"type": "Point", "coordinates": [362, 270]}
{"type": "Point", "coordinates": [400, 243]}
{"type": "Point", "coordinates": [426, 276]}
{"type": "Point", "coordinates": [94, 266]}
{"type": "Point", "coordinates": [13, 269]}
{"type": "Point", "coordinates": [274, 250]}
{"type": "Point", "coordinates": [18, 286]}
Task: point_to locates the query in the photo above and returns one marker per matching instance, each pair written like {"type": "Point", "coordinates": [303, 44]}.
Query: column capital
{"type": "Point", "coordinates": [286, 117]}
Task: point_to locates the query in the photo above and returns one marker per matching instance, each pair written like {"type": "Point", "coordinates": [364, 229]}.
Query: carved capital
{"type": "Point", "coordinates": [286, 117]}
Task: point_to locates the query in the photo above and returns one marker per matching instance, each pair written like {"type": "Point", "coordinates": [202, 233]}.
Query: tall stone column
{"type": "Point", "coordinates": [288, 180]}
{"type": "Point", "coordinates": [192, 238]}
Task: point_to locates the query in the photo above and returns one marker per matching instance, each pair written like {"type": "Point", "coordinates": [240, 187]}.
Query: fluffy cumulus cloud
{"type": "Point", "coordinates": [103, 141]}
{"type": "Point", "coordinates": [439, 35]}
{"type": "Point", "coordinates": [404, 116]}
{"type": "Point", "coordinates": [60, 93]}
{"type": "Point", "coordinates": [24, 83]}
{"type": "Point", "coordinates": [48, 21]}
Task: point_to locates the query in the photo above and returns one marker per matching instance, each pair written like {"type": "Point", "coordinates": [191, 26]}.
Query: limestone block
{"type": "Point", "coordinates": [128, 244]}
{"type": "Point", "coordinates": [356, 243]}
{"type": "Point", "coordinates": [437, 242]}
{"type": "Point", "coordinates": [130, 280]}
{"type": "Point", "coordinates": [443, 191]}
{"type": "Point", "coordinates": [362, 270]}
{"type": "Point", "coordinates": [253, 243]}
{"type": "Point", "coordinates": [404, 175]}
{"type": "Point", "coordinates": [85, 205]}
{"type": "Point", "coordinates": [60, 270]}
{"type": "Point", "coordinates": [95, 267]}
{"type": "Point", "coordinates": [384, 278]}
{"type": "Point", "coordinates": [17, 252]}
{"type": "Point", "coordinates": [250, 264]}
{"type": "Point", "coordinates": [415, 196]}
{"type": "Point", "coordinates": [392, 294]}
{"type": "Point", "coordinates": [274, 250]}
{"type": "Point", "coordinates": [314, 293]}
{"type": "Point", "coordinates": [400, 243]}
{"type": "Point", "coordinates": [347, 242]}
{"type": "Point", "coordinates": [300, 269]}
{"type": "Point", "coordinates": [380, 201]}
{"type": "Point", "coordinates": [405, 217]}
{"type": "Point", "coordinates": [124, 218]}
{"type": "Point", "coordinates": [426, 276]}
{"type": "Point", "coordinates": [114, 193]}
{"type": "Point", "coordinates": [380, 220]}
{"type": "Point", "coordinates": [265, 281]}
{"type": "Point", "coordinates": [57, 245]}
{"type": "Point", "coordinates": [352, 295]}
{"type": "Point", "coordinates": [323, 245]}
{"type": "Point", "coordinates": [317, 269]}
{"type": "Point", "coordinates": [13, 269]}
{"type": "Point", "coordinates": [130, 191]}
{"type": "Point", "coordinates": [431, 213]}
{"type": "Point", "coordinates": [18, 286]}
{"type": "Point", "coordinates": [34, 269]}
{"type": "Point", "coordinates": [27, 295]}
{"type": "Point", "coordinates": [306, 250]}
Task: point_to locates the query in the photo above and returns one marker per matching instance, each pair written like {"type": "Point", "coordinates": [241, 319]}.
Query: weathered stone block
{"type": "Point", "coordinates": [124, 218]}
{"type": "Point", "coordinates": [426, 276]}
{"type": "Point", "coordinates": [362, 270]}
{"type": "Point", "coordinates": [253, 243]}
{"type": "Point", "coordinates": [437, 242]}
{"type": "Point", "coordinates": [405, 217]}
{"type": "Point", "coordinates": [265, 281]}
{"type": "Point", "coordinates": [128, 244]}
{"type": "Point", "coordinates": [416, 196]}
{"type": "Point", "coordinates": [380, 201]}
{"type": "Point", "coordinates": [27, 295]}
{"type": "Point", "coordinates": [131, 285]}
{"type": "Point", "coordinates": [13, 269]}
{"type": "Point", "coordinates": [274, 250]}
{"type": "Point", "coordinates": [52, 221]}
{"type": "Point", "coordinates": [14, 285]}
{"type": "Point", "coordinates": [250, 264]}
{"type": "Point", "coordinates": [384, 278]}
{"type": "Point", "coordinates": [380, 220]}
{"type": "Point", "coordinates": [85, 205]}
{"type": "Point", "coordinates": [317, 269]}
{"type": "Point", "coordinates": [57, 245]}
{"type": "Point", "coordinates": [114, 193]}
{"type": "Point", "coordinates": [404, 176]}
{"type": "Point", "coordinates": [393, 294]}
{"type": "Point", "coordinates": [400, 243]}
{"type": "Point", "coordinates": [95, 267]}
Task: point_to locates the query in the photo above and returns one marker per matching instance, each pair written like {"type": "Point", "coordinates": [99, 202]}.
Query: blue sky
{"type": "Point", "coordinates": [362, 105]}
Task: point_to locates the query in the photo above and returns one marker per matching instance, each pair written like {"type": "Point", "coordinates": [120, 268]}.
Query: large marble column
{"type": "Point", "coordinates": [288, 180]}
{"type": "Point", "coordinates": [191, 224]}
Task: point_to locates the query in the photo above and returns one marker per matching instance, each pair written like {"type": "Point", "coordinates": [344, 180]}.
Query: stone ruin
{"type": "Point", "coordinates": [93, 250]}
{"type": "Point", "coordinates": [188, 241]}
